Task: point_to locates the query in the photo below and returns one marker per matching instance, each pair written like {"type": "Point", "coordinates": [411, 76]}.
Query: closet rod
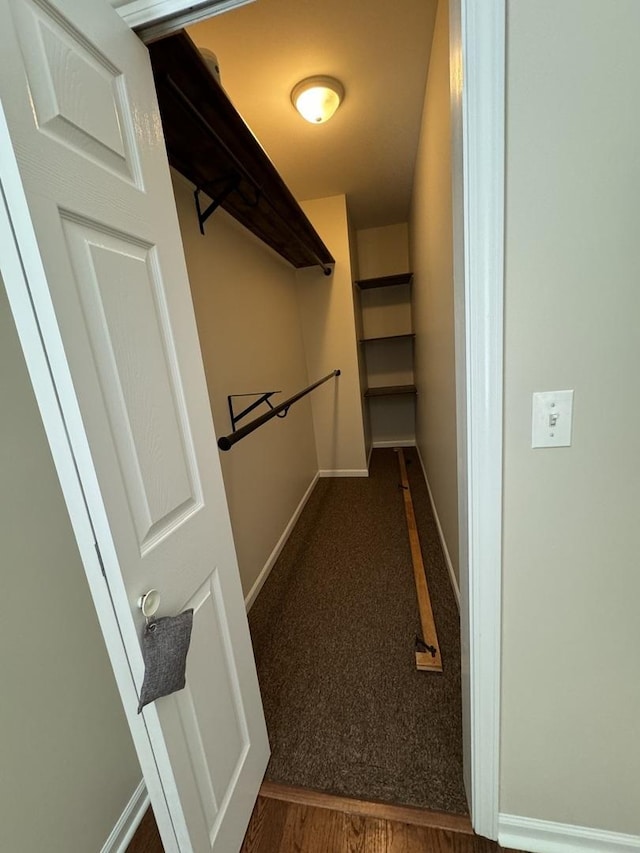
{"type": "Point", "coordinates": [226, 442]}
{"type": "Point", "coordinates": [195, 112]}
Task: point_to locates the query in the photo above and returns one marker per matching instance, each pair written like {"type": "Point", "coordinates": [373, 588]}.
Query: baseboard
{"type": "Point", "coordinates": [128, 822]}
{"type": "Point", "coordinates": [545, 836]}
{"type": "Point", "coordinates": [266, 570]}
{"type": "Point", "coordinates": [443, 541]}
{"type": "Point", "coordinates": [344, 472]}
{"type": "Point", "coordinates": [406, 442]}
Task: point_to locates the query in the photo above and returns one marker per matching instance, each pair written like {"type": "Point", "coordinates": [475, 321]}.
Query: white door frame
{"type": "Point", "coordinates": [478, 30]}
{"type": "Point", "coordinates": [153, 19]}
{"type": "Point", "coordinates": [478, 53]}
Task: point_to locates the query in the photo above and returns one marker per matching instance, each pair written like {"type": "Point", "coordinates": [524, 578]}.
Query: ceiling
{"type": "Point", "coordinates": [378, 50]}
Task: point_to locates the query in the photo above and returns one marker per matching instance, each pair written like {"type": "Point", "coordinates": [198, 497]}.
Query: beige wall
{"type": "Point", "coordinates": [329, 329]}
{"type": "Point", "coordinates": [431, 251]}
{"type": "Point", "coordinates": [383, 251]}
{"type": "Point", "coordinates": [571, 635]}
{"type": "Point", "coordinates": [247, 314]}
{"type": "Point", "coordinates": [68, 767]}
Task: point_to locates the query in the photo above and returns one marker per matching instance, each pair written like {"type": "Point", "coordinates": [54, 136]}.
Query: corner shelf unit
{"type": "Point", "coordinates": [387, 343]}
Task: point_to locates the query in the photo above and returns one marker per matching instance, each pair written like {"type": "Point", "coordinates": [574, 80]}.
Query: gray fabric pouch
{"type": "Point", "coordinates": [165, 644]}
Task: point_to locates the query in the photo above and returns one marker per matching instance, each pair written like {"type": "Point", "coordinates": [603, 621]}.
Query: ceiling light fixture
{"type": "Point", "coordinates": [317, 98]}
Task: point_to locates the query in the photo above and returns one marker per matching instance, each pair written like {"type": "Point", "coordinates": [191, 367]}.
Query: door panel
{"type": "Point", "coordinates": [118, 284]}
{"type": "Point", "coordinates": [219, 697]}
{"type": "Point", "coordinates": [78, 94]}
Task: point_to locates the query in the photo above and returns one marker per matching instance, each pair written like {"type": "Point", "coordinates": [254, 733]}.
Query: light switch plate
{"type": "Point", "coordinates": [552, 414]}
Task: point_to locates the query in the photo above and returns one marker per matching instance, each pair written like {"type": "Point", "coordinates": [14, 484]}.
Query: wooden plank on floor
{"type": "Point", "coordinates": [387, 811]}
{"type": "Point", "coordinates": [425, 661]}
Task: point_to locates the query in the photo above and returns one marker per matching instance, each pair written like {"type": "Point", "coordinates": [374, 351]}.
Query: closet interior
{"type": "Point", "coordinates": [292, 291]}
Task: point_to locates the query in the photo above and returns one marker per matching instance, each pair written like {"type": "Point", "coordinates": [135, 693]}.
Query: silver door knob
{"type": "Point", "coordinates": [149, 603]}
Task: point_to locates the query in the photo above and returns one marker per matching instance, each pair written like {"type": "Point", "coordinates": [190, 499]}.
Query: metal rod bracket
{"type": "Point", "coordinates": [421, 646]}
{"type": "Point", "coordinates": [263, 397]}
{"type": "Point", "coordinates": [226, 442]}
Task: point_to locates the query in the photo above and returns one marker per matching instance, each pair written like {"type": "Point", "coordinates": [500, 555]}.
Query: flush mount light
{"type": "Point", "coordinates": [317, 98]}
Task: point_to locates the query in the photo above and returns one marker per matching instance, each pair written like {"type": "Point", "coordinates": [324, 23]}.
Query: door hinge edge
{"type": "Point", "coordinates": [99, 555]}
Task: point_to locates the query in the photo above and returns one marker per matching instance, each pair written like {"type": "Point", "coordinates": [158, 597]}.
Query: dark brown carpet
{"type": "Point", "coordinates": [333, 631]}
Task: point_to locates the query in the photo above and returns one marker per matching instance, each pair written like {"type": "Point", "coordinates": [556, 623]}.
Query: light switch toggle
{"type": "Point", "coordinates": [551, 419]}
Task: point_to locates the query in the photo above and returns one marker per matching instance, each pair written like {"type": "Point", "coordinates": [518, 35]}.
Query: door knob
{"type": "Point", "coordinates": [149, 603]}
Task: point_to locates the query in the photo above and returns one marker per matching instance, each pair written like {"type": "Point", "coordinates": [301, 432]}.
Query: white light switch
{"type": "Point", "coordinates": [551, 419]}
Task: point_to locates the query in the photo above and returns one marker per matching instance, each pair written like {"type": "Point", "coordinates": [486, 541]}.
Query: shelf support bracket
{"type": "Point", "coordinates": [216, 202]}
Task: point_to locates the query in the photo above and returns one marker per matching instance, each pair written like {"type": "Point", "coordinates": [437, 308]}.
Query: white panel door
{"type": "Point", "coordinates": [116, 319]}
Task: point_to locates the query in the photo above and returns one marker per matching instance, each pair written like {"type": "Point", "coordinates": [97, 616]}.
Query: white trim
{"type": "Point", "coordinates": [406, 442]}
{"type": "Point", "coordinates": [443, 541]}
{"type": "Point", "coordinates": [128, 822]}
{"type": "Point", "coordinates": [282, 541]}
{"type": "Point", "coordinates": [546, 836]}
{"type": "Point", "coordinates": [482, 43]}
{"type": "Point", "coordinates": [155, 18]}
{"type": "Point", "coordinates": [343, 472]}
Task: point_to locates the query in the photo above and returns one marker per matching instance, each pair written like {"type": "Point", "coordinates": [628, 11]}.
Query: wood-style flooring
{"type": "Point", "coordinates": [147, 837]}
{"type": "Point", "coordinates": [279, 825]}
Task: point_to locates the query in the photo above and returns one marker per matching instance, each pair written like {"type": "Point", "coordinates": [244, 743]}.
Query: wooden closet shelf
{"type": "Point", "coordinates": [385, 281]}
{"type": "Point", "coordinates": [390, 390]}
{"type": "Point", "coordinates": [209, 143]}
{"type": "Point", "coordinates": [405, 336]}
